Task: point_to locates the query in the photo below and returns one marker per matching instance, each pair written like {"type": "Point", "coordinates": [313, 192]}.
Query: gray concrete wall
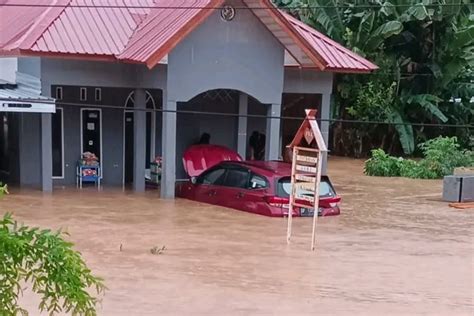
{"type": "Point", "coordinates": [240, 54]}
{"type": "Point", "coordinates": [102, 74]}
{"type": "Point", "coordinates": [30, 65]}
{"type": "Point", "coordinates": [307, 81]}
{"type": "Point", "coordinates": [8, 68]}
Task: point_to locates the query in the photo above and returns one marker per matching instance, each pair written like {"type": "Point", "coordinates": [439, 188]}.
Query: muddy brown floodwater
{"type": "Point", "coordinates": [395, 250]}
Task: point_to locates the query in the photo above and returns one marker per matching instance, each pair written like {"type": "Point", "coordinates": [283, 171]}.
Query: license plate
{"type": "Point", "coordinates": [309, 212]}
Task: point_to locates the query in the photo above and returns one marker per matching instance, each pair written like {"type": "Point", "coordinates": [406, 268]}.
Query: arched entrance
{"type": "Point", "coordinates": [219, 117]}
{"type": "Point", "coordinates": [128, 153]}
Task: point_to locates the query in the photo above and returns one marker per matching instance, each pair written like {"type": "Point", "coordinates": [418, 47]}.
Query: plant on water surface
{"type": "Point", "coordinates": [45, 260]}
{"type": "Point", "coordinates": [441, 156]}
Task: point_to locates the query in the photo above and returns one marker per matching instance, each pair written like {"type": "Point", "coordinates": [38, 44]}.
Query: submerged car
{"type": "Point", "coordinates": [220, 177]}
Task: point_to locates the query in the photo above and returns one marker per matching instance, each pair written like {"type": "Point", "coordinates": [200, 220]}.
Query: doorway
{"type": "Point", "coordinates": [10, 148]}
{"type": "Point", "coordinates": [91, 132]}
{"type": "Point", "coordinates": [128, 135]}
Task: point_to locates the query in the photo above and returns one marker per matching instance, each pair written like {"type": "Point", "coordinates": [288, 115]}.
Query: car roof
{"type": "Point", "coordinates": [270, 169]}
{"type": "Point", "coordinates": [266, 168]}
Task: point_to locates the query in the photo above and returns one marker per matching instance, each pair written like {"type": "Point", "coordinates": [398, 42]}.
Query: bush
{"type": "Point", "coordinates": [46, 261]}
{"type": "Point", "coordinates": [441, 156]}
{"type": "Point", "coordinates": [381, 164]}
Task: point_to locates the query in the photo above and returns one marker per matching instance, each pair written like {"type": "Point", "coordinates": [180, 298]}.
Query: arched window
{"type": "Point", "coordinates": [128, 133]}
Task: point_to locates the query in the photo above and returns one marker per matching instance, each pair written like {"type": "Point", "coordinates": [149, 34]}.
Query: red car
{"type": "Point", "coordinates": [220, 177]}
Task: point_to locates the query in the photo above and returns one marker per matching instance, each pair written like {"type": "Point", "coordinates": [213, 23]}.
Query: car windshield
{"type": "Point", "coordinates": [284, 188]}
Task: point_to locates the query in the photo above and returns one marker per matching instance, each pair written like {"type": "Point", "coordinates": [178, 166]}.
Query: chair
{"type": "Point", "coordinates": [86, 173]}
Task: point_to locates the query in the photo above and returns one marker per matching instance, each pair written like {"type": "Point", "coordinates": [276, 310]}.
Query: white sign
{"type": "Point", "coordinates": [307, 186]}
{"type": "Point", "coordinates": [307, 159]}
{"type": "Point", "coordinates": [306, 198]}
{"type": "Point", "coordinates": [31, 107]}
{"type": "Point", "coordinates": [301, 177]}
{"type": "Point", "coordinates": [306, 169]}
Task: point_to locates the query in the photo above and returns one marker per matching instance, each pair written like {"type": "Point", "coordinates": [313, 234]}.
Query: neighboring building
{"type": "Point", "coordinates": [231, 57]}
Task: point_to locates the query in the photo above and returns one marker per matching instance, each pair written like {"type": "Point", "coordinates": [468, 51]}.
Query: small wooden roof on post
{"type": "Point", "coordinates": [306, 170]}
{"type": "Point", "coordinates": [309, 131]}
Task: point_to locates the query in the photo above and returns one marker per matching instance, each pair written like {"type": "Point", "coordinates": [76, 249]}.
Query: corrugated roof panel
{"type": "Point", "coordinates": [86, 27]}
{"type": "Point", "coordinates": [144, 31]}
{"type": "Point", "coordinates": [162, 26]}
{"type": "Point", "coordinates": [337, 57]}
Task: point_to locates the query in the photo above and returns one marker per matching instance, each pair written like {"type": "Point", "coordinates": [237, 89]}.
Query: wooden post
{"type": "Point", "coordinates": [316, 201]}
{"type": "Point", "coordinates": [292, 194]}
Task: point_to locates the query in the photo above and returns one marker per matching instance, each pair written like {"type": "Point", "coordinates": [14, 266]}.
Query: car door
{"type": "Point", "coordinates": [208, 184]}
{"type": "Point", "coordinates": [252, 198]}
{"type": "Point", "coordinates": [235, 182]}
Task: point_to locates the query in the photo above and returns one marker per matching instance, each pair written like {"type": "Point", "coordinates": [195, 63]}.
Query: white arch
{"type": "Point", "coordinates": [149, 100]}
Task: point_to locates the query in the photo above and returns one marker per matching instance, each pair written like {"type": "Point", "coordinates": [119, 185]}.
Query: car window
{"type": "Point", "coordinates": [257, 182]}
{"type": "Point", "coordinates": [215, 177]}
{"type": "Point", "coordinates": [284, 188]}
{"type": "Point", "coordinates": [236, 178]}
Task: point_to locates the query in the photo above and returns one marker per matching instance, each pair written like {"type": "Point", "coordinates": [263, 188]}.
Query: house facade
{"type": "Point", "coordinates": [133, 81]}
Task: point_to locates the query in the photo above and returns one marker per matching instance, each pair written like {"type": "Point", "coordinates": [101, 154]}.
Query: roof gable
{"type": "Point", "coordinates": [310, 132]}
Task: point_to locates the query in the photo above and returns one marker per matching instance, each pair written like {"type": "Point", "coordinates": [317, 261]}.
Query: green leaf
{"type": "Point", "coordinates": [428, 102]}
{"type": "Point", "coordinates": [405, 132]}
{"type": "Point", "coordinates": [388, 9]}
{"type": "Point", "coordinates": [464, 37]}
{"type": "Point", "coordinates": [383, 32]}
{"type": "Point", "coordinates": [365, 27]}
{"type": "Point", "coordinates": [326, 13]}
{"type": "Point", "coordinates": [418, 11]}
{"type": "Point", "coordinates": [451, 7]}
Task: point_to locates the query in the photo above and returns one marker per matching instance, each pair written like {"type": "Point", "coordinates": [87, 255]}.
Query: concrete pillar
{"type": "Point", "coordinates": [46, 153]}
{"type": "Point", "coordinates": [139, 141]}
{"type": "Point", "coordinates": [168, 175]}
{"type": "Point", "coordinates": [272, 145]}
{"type": "Point", "coordinates": [242, 129]}
{"type": "Point", "coordinates": [325, 113]}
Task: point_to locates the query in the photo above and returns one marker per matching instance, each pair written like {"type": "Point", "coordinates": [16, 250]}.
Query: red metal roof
{"type": "Point", "coordinates": [336, 56]}
{"type": "Point", "coordinates": [21, 25]}
{"type": "Point", "coordinates": [140, 31]}
{"type": "Point", "coordinates": [92, 29]}
{"type": "Point", "coordinates": [164, 28]}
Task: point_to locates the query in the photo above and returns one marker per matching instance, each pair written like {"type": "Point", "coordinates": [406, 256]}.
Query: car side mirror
{"type": "Point", "coordinates": [193, 180]}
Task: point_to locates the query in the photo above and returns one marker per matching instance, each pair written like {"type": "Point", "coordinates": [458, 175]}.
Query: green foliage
{"type": "Point", "coordinates": [3, 189]}
{"type": "Point", "coordinates": [381, 164]}
{"type": "Point", "coordinates": [373, 101]}
{"type": "Point", "coordinates": [441, 156]}
{"type": "Point", "coordinates": [425, 52]}
{"type": "Point", "coordinates": [45, 260]}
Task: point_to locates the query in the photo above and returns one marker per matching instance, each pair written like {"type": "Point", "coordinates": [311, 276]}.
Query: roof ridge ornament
{"type": "Point", "coordinates": [227, 13]}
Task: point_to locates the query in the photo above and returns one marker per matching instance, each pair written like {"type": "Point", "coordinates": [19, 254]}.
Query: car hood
{"type": "Point", "coordinates": [198, 158]}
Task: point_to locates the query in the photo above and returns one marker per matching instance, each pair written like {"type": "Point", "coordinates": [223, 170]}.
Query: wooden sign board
{"type": "Point", "coordinates": [313, 160]}
{"type": "Point", "coordinates": [308, 146]}
{"type": "Point", "coordinates": [306, 169]}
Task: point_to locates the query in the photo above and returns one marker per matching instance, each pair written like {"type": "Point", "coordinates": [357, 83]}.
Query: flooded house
{"type": "Point", "coordinates": [135, 80]}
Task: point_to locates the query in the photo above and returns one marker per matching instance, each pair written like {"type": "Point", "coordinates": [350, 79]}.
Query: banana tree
{"type": "Point", "coordinates": [428, 46]}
